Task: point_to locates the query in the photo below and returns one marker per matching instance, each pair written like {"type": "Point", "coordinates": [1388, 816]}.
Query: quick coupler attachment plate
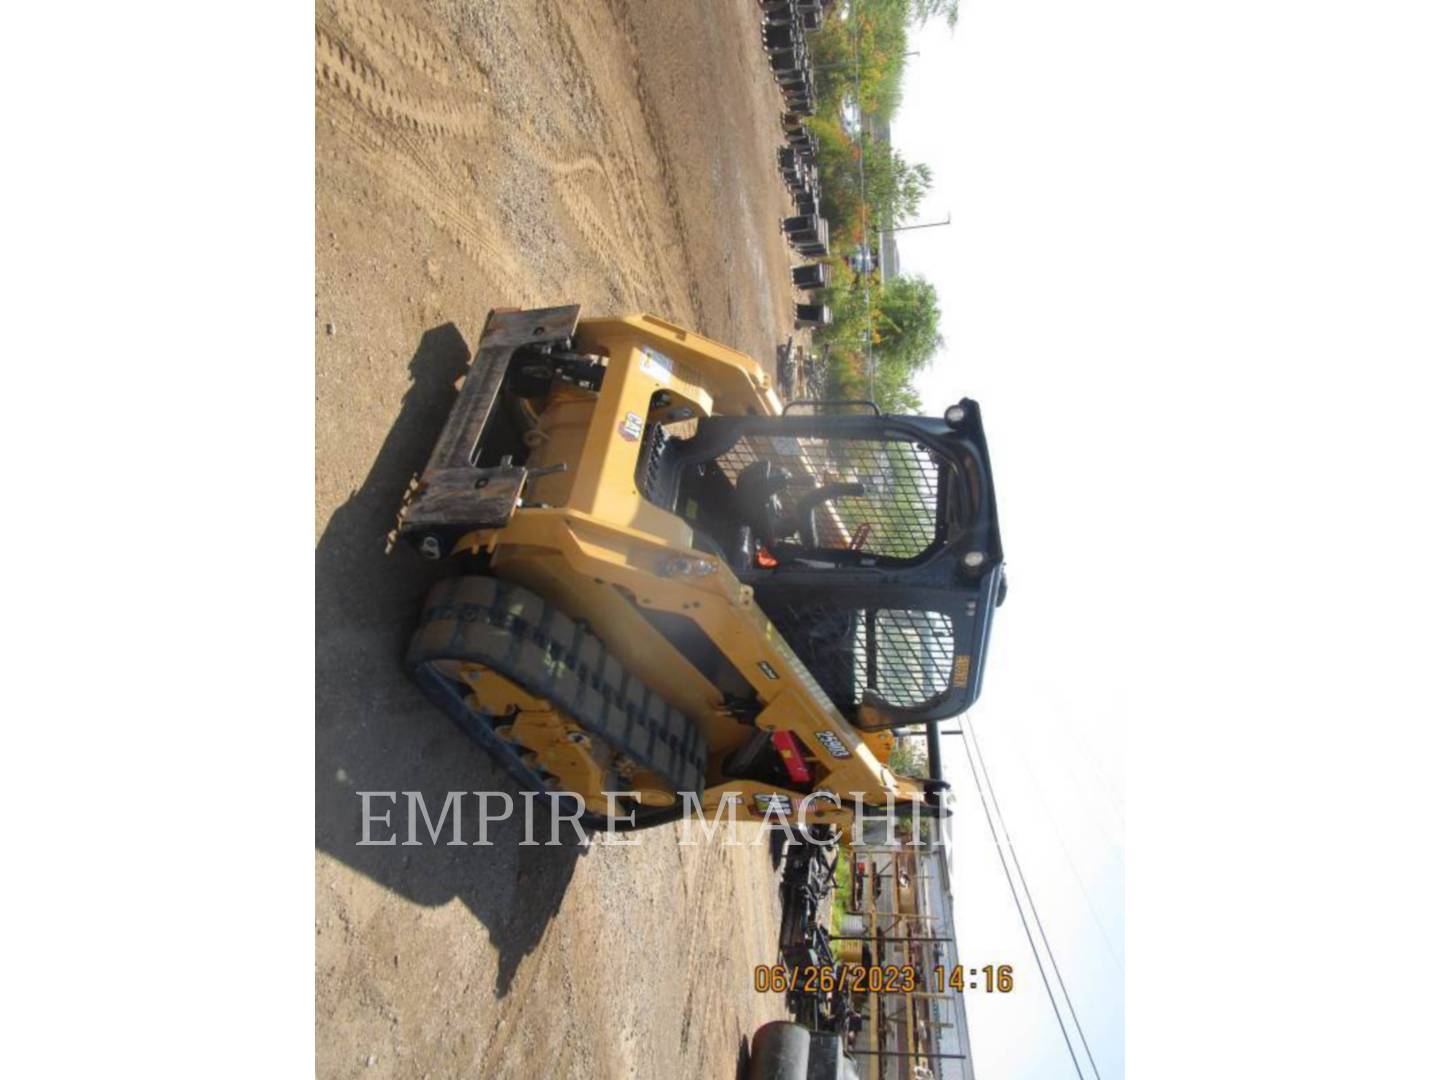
{"type": "Point", "coordinates": [453, 496]}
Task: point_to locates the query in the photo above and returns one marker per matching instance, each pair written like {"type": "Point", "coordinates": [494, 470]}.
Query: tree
{"type": "Point", "coordinates": [907, 323]}
{"type": "Point", "coordinates": [862, 46]}
{"type": "Point", "coordinates": [910, 757]}
{"type": "Point", "coordinates": [893, 187]}
{"type": "Point", "coordinates": [880, 337]}
{"type": "Point", "coordinates": [922, 11]}
{"type": "Point", "coordinates": [899, 333]}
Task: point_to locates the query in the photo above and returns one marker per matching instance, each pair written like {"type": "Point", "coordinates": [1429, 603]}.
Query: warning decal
{"type": "Point", "coordinates": [656, 364]}
{"type": "Point", "coordinates": [632, 427]}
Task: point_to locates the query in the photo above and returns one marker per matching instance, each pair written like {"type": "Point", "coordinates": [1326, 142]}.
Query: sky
{"type": "Point", "coordinates": [1191, 279]}
{"type": "Point", "coordinates": [988, 108]}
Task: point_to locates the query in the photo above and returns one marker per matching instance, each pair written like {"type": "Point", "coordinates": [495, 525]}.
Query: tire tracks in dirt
{"type": "Point", "coordinates": [472, 153]}
{"type": "Point", "coordinates": [423, 116]}
{"type": "Point", "coordinates": [389, 126]}
{"type": "Point", "coordinates": [654, 131]}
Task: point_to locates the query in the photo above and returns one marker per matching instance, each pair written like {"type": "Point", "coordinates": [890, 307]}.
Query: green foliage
{"type": "Point", "coordinates": [903, 327]}
{"type": "Point", "coordinates": [860, 55]}
{"type": "Point", "coordinates": [841, 896]}
{"type": "Point", "coordinates": [862, 45]}
{"type": "Point", "coordinates": [893, 187]}
{"type": "Point", "coordinates": [867, 37]}
{"type": "Point", "coordinates": [922, 11]}
{"type": "Point", "coordinates": [907, 322]}
{"type": "Point", "coordinates": [910, 758]}
{"type": "Point", "coordinates": [864, 42]}
{"type": "Point", "coordinates": [839, 166]}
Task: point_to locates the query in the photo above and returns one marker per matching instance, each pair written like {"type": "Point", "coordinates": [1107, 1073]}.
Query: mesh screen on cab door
{"type": "Point", "coordinates": [913, 655]}
{"type": "Point", "coordinates": [895, 517]}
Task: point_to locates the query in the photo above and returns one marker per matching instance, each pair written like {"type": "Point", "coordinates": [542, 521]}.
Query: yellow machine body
{"type": "Point", "coordinates": [587, 541]}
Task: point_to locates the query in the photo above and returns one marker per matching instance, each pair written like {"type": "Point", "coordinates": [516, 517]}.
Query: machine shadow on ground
{"type": "Point", "coordinates": [375, 732]}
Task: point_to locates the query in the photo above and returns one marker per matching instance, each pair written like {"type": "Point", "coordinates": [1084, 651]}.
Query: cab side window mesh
{"type": "Point", "coordinates": [906, 656]}
{"type": "Point", "coordinates": [896, 516]}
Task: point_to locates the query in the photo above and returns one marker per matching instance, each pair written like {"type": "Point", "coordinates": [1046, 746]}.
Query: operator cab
{"type": "Point", "coordinates": [871, 542]}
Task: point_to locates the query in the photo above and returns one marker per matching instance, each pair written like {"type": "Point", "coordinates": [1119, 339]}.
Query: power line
{"type": "Point", "coordinates": [1104, 783]}
{"type": "Point", "coordinates": [1034, 910]}
{"type": "Point", "coordinates": [1069, 859]}
{"type": "Point", "coordinates": [1086, 804]}
{"type": "Point", "coordinates": [1024, 922]}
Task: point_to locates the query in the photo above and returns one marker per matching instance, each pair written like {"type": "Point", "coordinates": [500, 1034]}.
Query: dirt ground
{"type": "Point", "coordinates": [473, 154]}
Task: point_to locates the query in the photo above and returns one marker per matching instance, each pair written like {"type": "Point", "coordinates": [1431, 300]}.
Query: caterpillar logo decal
{"type": "Point", "coordinates": [770, 672]}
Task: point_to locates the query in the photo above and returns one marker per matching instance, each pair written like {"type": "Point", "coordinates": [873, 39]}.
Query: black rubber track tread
{"type": "Point", "coordinates": [512, 631]}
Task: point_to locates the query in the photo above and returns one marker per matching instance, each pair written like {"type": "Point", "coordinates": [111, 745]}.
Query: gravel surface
{"type": "Point", "coordinates": [471, 155]}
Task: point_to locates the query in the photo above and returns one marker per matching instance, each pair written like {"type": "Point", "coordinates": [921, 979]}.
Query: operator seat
{"type": "Point", "coordinates": [757, 496]}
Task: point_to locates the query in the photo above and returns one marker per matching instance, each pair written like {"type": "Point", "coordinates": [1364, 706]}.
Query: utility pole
{"type": "Point", "coordinates": [923, 225]}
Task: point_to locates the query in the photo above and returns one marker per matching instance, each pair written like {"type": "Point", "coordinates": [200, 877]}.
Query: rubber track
{"type": "Point", "coordinates": [512, 631]}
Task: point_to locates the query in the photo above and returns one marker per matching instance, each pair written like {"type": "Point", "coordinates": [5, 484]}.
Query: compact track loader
{"type": "Point", "coordinates": [667, 584]}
